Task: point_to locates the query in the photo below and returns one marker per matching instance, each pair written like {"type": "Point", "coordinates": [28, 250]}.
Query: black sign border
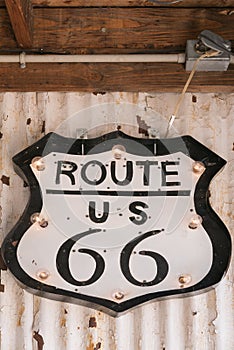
{"type": "Point", "coordinates": [215, 228]}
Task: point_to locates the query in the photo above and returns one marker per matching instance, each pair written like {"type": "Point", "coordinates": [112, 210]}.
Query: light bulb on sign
{"type": "Point", "coordinates": [195, 221]}
{"type": "Point", "coordinates": [38, 163]}
{"type": "Point", "coordinates": [36, 218]}
{"type": "Point", "coordinates": [184, 279]}
{"type": "Point", "coordinates": [118, 151]}
{"type": "Point", "coordinates": [198, 168]}
{"type": "Point", "coordinates": [43, 274]}
{"type": "Point", "coordinates": [118, 295]}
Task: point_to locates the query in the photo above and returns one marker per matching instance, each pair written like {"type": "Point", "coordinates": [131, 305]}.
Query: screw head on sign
{"type": "Point", "coordinates": [38, 163]}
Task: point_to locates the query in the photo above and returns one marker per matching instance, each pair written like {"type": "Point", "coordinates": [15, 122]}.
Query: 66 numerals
{"type": "Point", "coordinates": [62, 261]}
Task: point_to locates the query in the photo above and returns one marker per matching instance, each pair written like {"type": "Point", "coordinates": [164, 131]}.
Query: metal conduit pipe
{"type": "Point", "coordinates": [23, 58]}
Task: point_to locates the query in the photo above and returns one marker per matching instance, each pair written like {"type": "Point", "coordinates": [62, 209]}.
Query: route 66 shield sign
{"type": "Point", "coordinates": [117, 221]}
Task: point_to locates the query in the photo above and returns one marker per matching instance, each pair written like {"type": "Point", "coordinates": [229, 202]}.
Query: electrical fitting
{"type": "Point", "coordinates": [208, 42]}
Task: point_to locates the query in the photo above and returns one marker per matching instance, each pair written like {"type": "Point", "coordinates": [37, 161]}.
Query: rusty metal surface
{"type": "Point", "coordinates": [203, 322]}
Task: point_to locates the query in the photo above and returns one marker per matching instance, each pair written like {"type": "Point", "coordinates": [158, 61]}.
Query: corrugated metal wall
{"type": "Point", "coordinates": [203, 322]}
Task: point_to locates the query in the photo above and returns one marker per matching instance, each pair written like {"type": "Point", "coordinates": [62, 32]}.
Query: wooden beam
{"type": "Point", "coordinates": [20, 13]}
{"type": "Point", "coordinates": [101, 77]}
{"type": "Point", "coordinates": [6, 32]}
{"type": "Point", "coordinates": [125, 30]}
{"type": "Point", "coordinates": [115, 30]}
{"type": "Point", "coordinates": [128, 3]}
{"type": "Point", "coordinates": [119, 30]}
{"type": "Point", "coordinates": [132, 3]}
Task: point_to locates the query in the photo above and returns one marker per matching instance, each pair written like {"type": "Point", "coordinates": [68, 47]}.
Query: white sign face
{"type": "Point", "coordinates": [116, 229]}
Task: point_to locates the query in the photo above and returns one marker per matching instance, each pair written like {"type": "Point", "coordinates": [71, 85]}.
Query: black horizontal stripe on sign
{"type": "Point", "coordinates": [171, 193]}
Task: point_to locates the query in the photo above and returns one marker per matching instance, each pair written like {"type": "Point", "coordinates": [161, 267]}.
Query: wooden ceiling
{"type": "Point", "coordinates": [110, 27]}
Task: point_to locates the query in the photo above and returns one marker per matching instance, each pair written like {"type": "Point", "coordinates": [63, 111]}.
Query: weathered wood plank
{"type": "Point", "coordinates": [20, 13]}
{"type": "Point", "coordinates": [6, 32]}
{"type": "Point", "coordinates": [128, 3]}
{"type": "Point", "coordinates": [125, 29]}
{"type": "Point", "coordinates": [133, 3]}
{"type": "Point", "coordinates": [110, 77]}
{"type": "Point", "coordinates": [118, 30]}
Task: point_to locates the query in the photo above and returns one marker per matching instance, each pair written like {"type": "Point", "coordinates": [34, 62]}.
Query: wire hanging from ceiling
{"type": "Point", "coordinates": [209, 53]}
